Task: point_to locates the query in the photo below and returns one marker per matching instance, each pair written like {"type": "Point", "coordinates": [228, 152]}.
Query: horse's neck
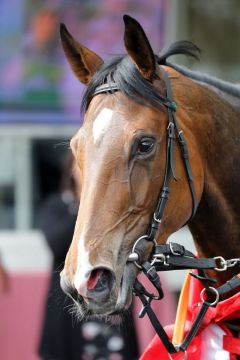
{"type": "Point", "coordinates": [216, 226]}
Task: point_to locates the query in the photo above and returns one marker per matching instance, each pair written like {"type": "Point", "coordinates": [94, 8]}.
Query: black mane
{"type": "Point", "coordinates": [122, 71]}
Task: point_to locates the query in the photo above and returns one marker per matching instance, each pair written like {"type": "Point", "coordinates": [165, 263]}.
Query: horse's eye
{"type": "Point", "coordinates": [145, 145]}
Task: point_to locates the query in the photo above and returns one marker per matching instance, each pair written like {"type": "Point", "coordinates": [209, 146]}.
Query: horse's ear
{"type": "Point", "coordinates": [83, 61]}
{"type": "Point", "coordinates": [139, 48]}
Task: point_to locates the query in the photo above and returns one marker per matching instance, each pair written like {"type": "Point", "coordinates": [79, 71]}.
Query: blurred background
{"type": "Point", "coordinates": [40, 111]}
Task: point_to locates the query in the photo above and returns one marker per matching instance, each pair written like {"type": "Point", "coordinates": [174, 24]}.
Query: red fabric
{"type": "Point", "coordinates": [157, 351]}
{"type": "Point", "coordinates": [228, 334]}
{"type": "Point", "coordinates": [225, 310]}
{"type": "Point", "coordinates": [231, 344]}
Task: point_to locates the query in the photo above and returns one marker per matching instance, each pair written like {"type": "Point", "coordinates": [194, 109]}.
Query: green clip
{"type": "Point", "coordinates": [173, 106]}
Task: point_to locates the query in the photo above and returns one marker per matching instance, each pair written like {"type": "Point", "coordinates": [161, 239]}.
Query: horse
{"type": "Point", "coordinates": [121, 152]}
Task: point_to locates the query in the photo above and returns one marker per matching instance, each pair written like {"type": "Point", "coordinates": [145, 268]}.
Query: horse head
{"type": "Point", "coordinates": [121, 152]}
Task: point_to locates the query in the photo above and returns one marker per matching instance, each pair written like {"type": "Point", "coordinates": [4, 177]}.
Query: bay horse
{"type": "Point", "coordinates": [121, 152]}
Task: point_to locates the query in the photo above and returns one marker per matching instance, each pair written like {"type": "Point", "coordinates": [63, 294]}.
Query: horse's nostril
{"type": "Point", "coordinates": [100, 280]}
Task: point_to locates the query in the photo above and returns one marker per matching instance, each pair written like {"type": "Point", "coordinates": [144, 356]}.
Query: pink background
{"type": "Point", "coordinates": [21, 315]}
{"type": "Point", "coordinates": [21, 311]}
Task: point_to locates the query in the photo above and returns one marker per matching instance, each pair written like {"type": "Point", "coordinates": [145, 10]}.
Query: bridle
{"type": "Point", "coordinates": [173, 256]}
{"type": "Point", "coordinates": [173, 133]}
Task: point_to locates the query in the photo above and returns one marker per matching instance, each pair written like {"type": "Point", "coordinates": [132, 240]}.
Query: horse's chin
{"type": "Point", "coordinates": [85, 308]}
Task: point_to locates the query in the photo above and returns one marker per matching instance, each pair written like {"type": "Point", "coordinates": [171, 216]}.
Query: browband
{"type": "Point", "coordinates": [109, 87]}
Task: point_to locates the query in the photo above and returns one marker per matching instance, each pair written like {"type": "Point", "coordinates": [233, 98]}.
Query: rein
{"type": "Point", "coordinates": [174, 256]}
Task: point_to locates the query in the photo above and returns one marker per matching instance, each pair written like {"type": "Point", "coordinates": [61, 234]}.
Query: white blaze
{"type": "Point", "coordinates": [101, 123]}
{"type": "Point", "coordinates": [83, 268]}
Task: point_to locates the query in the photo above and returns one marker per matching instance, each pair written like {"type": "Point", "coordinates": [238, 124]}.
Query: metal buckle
{"type": "Point", "coordinates": [156, 219]}
{"type": "Point", "coordinates": [184, 353]}
{"type": "Point", "coordinates": [174, 252]}
{"type": "Point", "coordinates": [171, 124]}
{"type": "Point", "coordinates": [223, 263]}
{"type": "Point", "coordinates": [160, 258]}
{"type": "Point", "coordinates": [232, 262]}
{"type": "Point", "coordinates": [226, 263]}
{"type": "Point", "coordinates": [213, 290]}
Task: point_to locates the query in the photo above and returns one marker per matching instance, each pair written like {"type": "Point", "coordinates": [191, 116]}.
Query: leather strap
{"type": "Point", "coordinates": [182, 144]}
{"type": "Point", "coordinates": [176, 257]}
{"type": "Point", "coordinates": [195, 326]}
{"type": "Point", "coordinates": [229, 285]}
{"type": "Point", "coordinates": [183, 263]}
{"type": "Point", "coordinates": [105, 88]}
{"type": "Point", "coordinates": [172, 248]}
{"type": "Point", "coordinates": [139, 291]}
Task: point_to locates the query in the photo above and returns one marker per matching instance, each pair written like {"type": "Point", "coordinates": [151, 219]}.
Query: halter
{"type": "Point", "coordinates": [174, 256]}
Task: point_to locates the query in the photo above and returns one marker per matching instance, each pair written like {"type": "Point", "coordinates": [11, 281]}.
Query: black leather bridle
{"type": "Point", "coordinates": [173, 133]}
{"type": "Point", "coordinates": [173, 256]}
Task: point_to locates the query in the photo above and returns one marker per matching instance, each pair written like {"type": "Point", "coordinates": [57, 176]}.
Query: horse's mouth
{"type": "Point", "coordinates": [119, 300]}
